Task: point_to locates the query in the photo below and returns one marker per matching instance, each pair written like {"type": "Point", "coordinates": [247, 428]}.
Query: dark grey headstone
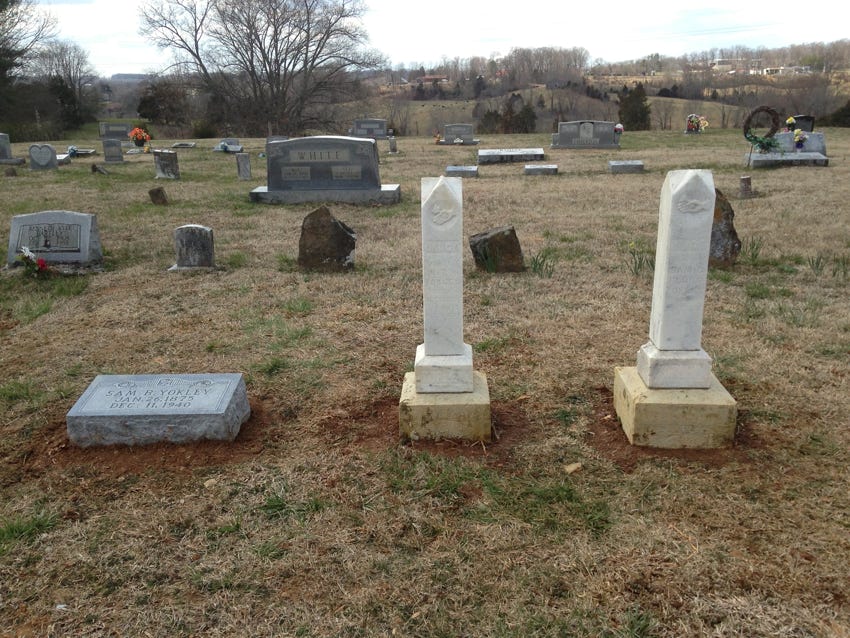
{"type": "Point", "coordinates": [166, 165]}
{"type": "Point", "coordinates": [324, 168]}
{"type": "Point", "coordinates": [243, 165]}
{"type": "Point", "coordinates": [5, 147]}
{"type": "Point", "coordinates": [373, 128]}
{"type": "Point", "coordinates": [586, 134]}
{"type": "Point", "coordinates": [58, 236]}
{"type": "Point", "coordinates": [43, 157]}
{"type": "Point", "coordinates": [497, 250]}
{"type": "Point", "coordinates": [460, 134]}
{"type": "Point", "coordinates": [194, 248]}
{"type": "Point", "coordinates": [326, 244]}
{"type": "Point", "coordinates": [143, 409]}
{"type": "Point", "coordinates": [805, 122]}
{"type": "Point", "coordinates": [112, 151]}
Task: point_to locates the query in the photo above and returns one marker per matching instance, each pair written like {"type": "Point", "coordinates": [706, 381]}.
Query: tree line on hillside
{"type": "Point", "coordinates": [262, 67]}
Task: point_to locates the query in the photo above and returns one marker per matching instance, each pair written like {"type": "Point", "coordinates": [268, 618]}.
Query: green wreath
{"type": "Point", "coordinates": [768, 142]}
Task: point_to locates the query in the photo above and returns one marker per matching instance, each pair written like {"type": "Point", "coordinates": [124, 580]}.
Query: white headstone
{"type": "Point", "coordinates": [443, 362]}
{"type": "Point", "coordinates": [674, 358]}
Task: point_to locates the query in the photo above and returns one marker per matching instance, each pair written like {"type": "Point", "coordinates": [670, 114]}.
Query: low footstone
{"type": "Point", "coordinates": [541, 169]}
{"type": "Point", "coordinates": [497, 250]}
{"type": "Point", "coordinates": [745, 190]}
{"type": "Point", "coordinates": [326, 244]}
{"type": "Point", "coordinates": [625, 166]}
{"type": "Point", "coordinates": [143, 409]}
{"type": "Point", "coordinates": [461, 171]}
{"type": "Point", "coordinates": [158, 196]}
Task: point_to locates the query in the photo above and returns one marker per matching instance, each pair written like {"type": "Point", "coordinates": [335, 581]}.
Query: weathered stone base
{"type": "Point", "coordinates": [444, 373]}
{"type": "Point", "coordinates": [625, 166]}
{"type": "Point", "coordinates": [455, 415]}
{"type": "Point", "coordinates": [674, 368]}
{"type": "Point", "coordinates": [673, 418]}
{"type": "Point", "coordinates": [804, 158]}
{"type": "Point", "coordinates": [389, 194]}
{"type": "Point", "coordinates": [462, 171]}
{"type": "Point", "coordinates": [540, 169]}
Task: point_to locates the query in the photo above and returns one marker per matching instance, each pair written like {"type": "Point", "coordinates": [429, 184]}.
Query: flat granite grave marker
{"type": "Point", "coordinates": [586, 134]}
{"type": "Point", "coordinates": [112, 151]}
{"type": "Point", "coordinates": [625, 166]}
{"type": "Point", "coordinates": [166, 165]}
{"type": "Point", "coordinates": [6, 151]}
{"type": "Point", "coordinates": [671, 399]}
{"type": "Point", "coordinates": [540, 169]}
{"type": "Point", "coordinates": [462, 171]}
{"type": "Point", "coordinates": [194, 248]}
{"type": "Point", "coordinates": [57, 236]}
{"type": "Point", "coordinates": [324, 168]}
{"type": "Point", "coordinates": [146, 408]}
{"type": "Point", "coordinates": [497, 155]}
{"type": "Point", "coordinates": [443, 396]}
{"type": "Point", "coordinates": [43, 157]}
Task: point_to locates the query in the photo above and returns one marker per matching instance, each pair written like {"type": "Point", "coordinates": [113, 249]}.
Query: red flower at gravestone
{"type": "Point", "coordinates": [41, 264]}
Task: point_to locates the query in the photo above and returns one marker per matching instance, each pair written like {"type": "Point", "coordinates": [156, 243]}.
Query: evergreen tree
{"type": "Point", "coordinates": [634, 110]}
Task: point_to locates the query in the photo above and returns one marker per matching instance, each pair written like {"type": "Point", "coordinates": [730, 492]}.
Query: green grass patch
{"type": "Point", "coordinates": [24, 530]}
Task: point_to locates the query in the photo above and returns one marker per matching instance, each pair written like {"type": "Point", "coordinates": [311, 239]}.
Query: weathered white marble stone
{"type": "Point", "coordinates": [681, 268]}
{"type": "Point", "coordinates": [444, 360]}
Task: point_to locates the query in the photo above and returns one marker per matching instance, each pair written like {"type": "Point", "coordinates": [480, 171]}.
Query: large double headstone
{"type": "Point", "coordinates": [57, 236]}
{"type": "Point", "coordinates": [460, 134]}
{"type": "Point", "coordinates": [374, 128]}
{"type": "Point", "coordinates": [324, 168]}
{"type": "Point", "coordinates": [671, 399]}
{"type": "Point", "coordinates": [443, 397]}
{"type": "Point", "coordinates": [586, 134]}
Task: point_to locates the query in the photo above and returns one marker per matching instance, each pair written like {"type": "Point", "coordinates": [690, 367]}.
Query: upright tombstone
{"type": "Point", "coordinates": [586, 134]}
{"type": "Point", "coordinates": [374, 128]}
{"type": "Point", "coordinates": [243, 165]}
{"type": "Point", "coordinates": [114, 130]}
{"type": "Point", "coordinates": [459, 134]}
{"type": "Point", "coordinates": [805, 122]}
{"type": "Point", "coordinates": [671, 399]}
{"type": "Point", "coordinates": [6, 151]}
{"type": "Point", "coordinates": [166, 165]}
{"type": "Point", "coordinates": [393, 145]}
{"type": "Point", "coordinates": [112, 151]}
{"type": "Point", "coordinates": [141, 409]}
{"type": "Point", "coordinates": [194, 248]}
{"type": "Point", "coordinates": [443, 397]}
{"type": "Point", "coordinates": [57, 236]}
{"type": "Point", "coordinates": [324, 168]}
{"type": "Point", "coordinates": [43, 157]}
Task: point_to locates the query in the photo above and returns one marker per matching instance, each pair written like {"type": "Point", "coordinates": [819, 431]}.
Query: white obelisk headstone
{"type": "Point", "coordinates": [443, 362]}
{"type": "Point", "coordinates": [673, 357]}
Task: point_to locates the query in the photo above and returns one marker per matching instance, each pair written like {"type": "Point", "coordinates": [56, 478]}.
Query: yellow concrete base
{"type": "Point", "coordinates": [445, 415]}
{"type": "Point", "coordinates": [673, 418]}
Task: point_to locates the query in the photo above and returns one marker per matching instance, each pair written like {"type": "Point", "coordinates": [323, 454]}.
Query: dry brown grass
{"type": "Point", "coordinates": [317, 522]}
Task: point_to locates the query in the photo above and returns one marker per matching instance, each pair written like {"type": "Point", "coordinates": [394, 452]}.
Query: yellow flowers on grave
{"type": "Point", "coordinates": [800, 138]}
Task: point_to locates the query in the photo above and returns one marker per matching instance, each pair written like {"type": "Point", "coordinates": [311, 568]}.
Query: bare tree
{"type": "Point", "coordinates": [277, 63]}
{"type": "Point", "coordinates": [69, 62]}
{"type": "Point", "coordinates": [22, 28]}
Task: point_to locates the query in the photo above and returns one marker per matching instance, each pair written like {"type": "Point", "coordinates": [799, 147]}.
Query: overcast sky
{"type": "Point", "coordinates": [425, 32]}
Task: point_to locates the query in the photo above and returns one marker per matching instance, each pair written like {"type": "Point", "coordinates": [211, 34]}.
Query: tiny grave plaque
{"type": "Point", "coordinates": [148, 408]}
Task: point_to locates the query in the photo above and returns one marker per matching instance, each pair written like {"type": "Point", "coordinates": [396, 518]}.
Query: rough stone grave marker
{"type": "Point", "coordinates": [194, 248]}
{"type": "Point", "coordinates": [671, 399]}
{"type": "Point", "coordinates": [43, 157]}
{"type": "Point", "coordinates": [443, 397]}
{"type": "Point", "coordinates": [324, 168]}
{"type": "Point", "coordinates": [586, 134]}
{"type": "Point", "coordinates": [57, 236]}
{"type": "Point", "coordinates": [326, 244]}
{"type": "Point", "coordinates": [166, 165]}
{"type": "Point", "coordinates": [243, 165]}
{"type": "Point", "coordinates": [112, 151]}
{"type": "Point", "coordinates": [142, 409]}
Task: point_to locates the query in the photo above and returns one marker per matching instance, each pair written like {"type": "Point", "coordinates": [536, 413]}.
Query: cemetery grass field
{"type": "Point", "coordinates": [317, 521]}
